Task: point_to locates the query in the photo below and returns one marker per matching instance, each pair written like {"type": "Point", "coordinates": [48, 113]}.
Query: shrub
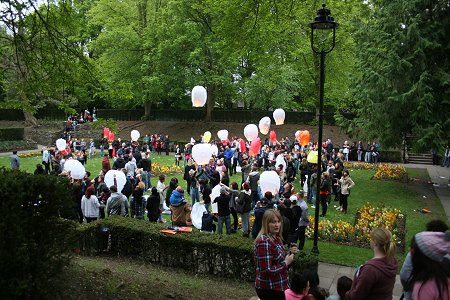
{"type": "Point", "coordinates": [197, 252]}
{"type": "Point", "coordinates": [6, 146]}
{"type": "Point", "coordinates": [35, 240]}
{"type": "Point", "coordinates": [394, 156]}
{"type": "Point", "coordinates": [11, 134]}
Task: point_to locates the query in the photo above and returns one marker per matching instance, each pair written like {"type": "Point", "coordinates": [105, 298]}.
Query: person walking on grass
{"type": "Point", "coordinates": [15, 161]}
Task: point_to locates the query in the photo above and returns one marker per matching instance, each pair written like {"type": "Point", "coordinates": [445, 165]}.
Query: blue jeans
{"type": "Point", "coordinates": [245, 222]}
{"type": "Point", "coordinates": [145, 179]}
{"type": "Point", "coordinates": [227, 221]}
{"type": "Point", "coordinates": [102, 148]}
{"type": "Point", "coordinates": [195, 195]}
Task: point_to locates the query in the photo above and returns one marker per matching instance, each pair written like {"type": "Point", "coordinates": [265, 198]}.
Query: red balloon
{"type": "Point", "coordinates": [273, 136]}
{"type": "Point", "coordinates": [111, 136]}
{"type": "Point", "coordinates": [243, 147]}
{"type": "Point", "coordinates": [304, 137]}
{"type": "Point", "coordinates": [106, 132]}
{"type": "Point", "coordinates": [254, 147]}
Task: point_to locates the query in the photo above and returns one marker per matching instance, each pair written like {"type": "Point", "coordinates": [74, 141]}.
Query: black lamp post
{"type": "Point", "coordinates": [321, 42]}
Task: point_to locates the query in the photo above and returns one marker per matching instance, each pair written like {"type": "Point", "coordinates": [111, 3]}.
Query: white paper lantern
{"type": "Point", "coordinates": [251, 132]}
{"type": "Point", "coordinates": [264, 125]}
{"type": "Point", "coordinates": [198, 96]}
{"type": "Point", "coordinates": [201, 153]}
{"type": "Point", "coordinates": [280, 161]}
{"type": "Point", "coordinates": [75, 168]}
{"type": "Point", "coordinates": [214, 194]}
{"type": "Point", "coordinates": [297, 134]}
{"type": "Point", "coordinates": [120, 179]}
{"type": "Point", "coordinates": [223, 134]}
{"type": "Point", "coordinates": [197, 214]}
{"type": "Point", "coordinates": [278, 116]}
{"type": "Point", "coordinates": [269, 181]}
{"type": "Point", "coordinates": [215, 150]}
{"type": "Point", "coordinates": [135, 135]}
{"type": "Point", "coordinates": [61, 144]}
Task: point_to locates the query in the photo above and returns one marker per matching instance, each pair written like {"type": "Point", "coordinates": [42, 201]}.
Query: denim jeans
{"type": "Point", "coordinates": [145, 179]}
{"type": "Point", "coordinates": [227, 221]}
{"type": "Point", "coordinates": [195, 195]}
{"type": "Point", "coordinates": [245, 222]}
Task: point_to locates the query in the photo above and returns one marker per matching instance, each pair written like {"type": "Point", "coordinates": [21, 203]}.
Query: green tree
{"type": "Point", "coordinates": [402, 84]}
{"type": "Point", "coordinates": [42, 60]}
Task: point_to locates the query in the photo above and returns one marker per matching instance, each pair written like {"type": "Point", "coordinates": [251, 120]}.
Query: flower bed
{"type": "Point", "coordinates": [390, 172]}
{"type": "Point", "coordinates": [358, 234]}
{"type": "Point", "coordinates": [158, 169]}
{"type": "Point", "coordinates": [360, 166]}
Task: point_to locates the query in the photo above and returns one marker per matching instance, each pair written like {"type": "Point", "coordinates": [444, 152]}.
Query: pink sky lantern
{"type": "Point", "coordinates": [273, 136]}
{"type": "Point", "coordinates": [111, 136]}
{"type": "Point", "coordinates": [254, 147]}
{"type": "Point", "coordinates": [105, 132]}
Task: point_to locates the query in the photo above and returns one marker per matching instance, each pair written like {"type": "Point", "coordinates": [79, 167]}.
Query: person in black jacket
{"type": "Point", "coordinates": [223, 207]}
{"type": "Point", "coordinates": [324, 193]}
{"type": "Point", "coordinates": [208, 222]}
{"type": "Point", "coordinates": [153, 211]}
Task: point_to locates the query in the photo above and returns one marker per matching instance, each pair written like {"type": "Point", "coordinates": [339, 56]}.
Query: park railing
{"type": "Point", "coordinates": [217, 115]}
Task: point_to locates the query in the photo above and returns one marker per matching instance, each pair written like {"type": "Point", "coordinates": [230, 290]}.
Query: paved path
{"type": "Point", "coordinates": [329, 273]}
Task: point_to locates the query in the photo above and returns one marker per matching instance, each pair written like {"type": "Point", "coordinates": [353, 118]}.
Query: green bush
{"type": "Point", "coordinates": [6, 146]}
{"type": "Point", "coordinates": [11, 134]}
{"type": "Point", "coordinates": [197, 252]}
{"type": "Point", "coordinates": [35, 241]}
{"type": "Point", "coordinates": [390, 156]}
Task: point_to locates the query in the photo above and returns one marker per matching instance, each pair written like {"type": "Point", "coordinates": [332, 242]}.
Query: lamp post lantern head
{"type": "Point", "coordinates": [321, 28]}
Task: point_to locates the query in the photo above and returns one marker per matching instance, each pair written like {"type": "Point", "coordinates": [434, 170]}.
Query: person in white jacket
{"type": "Point", "coordinates": [346, 184]}
{"type": "Point", "coordinates": [90, 205]}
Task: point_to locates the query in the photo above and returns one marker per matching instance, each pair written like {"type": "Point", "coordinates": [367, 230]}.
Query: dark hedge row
{"type": "Point", "coordinates": [11, 134]}
{"type": "Point", "coordinates": [197, 252]}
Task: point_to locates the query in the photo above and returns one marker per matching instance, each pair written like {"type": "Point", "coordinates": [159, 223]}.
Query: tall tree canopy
{"type": "Point", "coordinates": [402, 83]}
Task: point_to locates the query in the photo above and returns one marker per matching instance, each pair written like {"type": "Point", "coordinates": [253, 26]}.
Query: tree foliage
{"type": "Point", "coordinates": [402, 86]}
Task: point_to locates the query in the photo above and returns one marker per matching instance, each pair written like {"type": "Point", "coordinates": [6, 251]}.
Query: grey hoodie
{"type": "Point", "coordinates": [116, 204]}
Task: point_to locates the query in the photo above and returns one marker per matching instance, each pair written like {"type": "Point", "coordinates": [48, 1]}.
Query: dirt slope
{"type": "Point", "coordinates": [183, 131]}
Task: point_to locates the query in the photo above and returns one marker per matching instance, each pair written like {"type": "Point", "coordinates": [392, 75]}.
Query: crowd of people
{"type": "Point", "coordinates": [280, 219]}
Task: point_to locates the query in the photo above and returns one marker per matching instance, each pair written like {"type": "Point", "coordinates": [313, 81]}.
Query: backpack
{"type": "Point", "coordinates": [240, 202]}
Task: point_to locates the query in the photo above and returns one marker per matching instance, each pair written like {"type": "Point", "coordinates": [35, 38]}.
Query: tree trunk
{"type": "Point", "coordinates": [147, 110]}
{"type": "Point", "coordinates": [30, 120]}
{"type": "Point", "coordinates": [210, 102]}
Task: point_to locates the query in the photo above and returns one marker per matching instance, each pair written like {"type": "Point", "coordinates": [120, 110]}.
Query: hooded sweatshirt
{"type": "Point", "coordinates": [177, 198]}
{"type": "Point", "coordinates": [374, 280]}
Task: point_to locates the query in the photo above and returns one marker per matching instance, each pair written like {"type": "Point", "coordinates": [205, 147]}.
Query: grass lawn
{"type": "Point", "coordinates": [415, 195]}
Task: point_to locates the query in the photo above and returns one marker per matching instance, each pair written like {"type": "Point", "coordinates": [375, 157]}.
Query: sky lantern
{"type": "Point", "coordinates": [223, 134]}
{"type": "Point", "coordinates": [304, 137]}
{"type": "Point", "coordinates": [242, 146]}
{"type": "Point", "coordinates": [75, 168]}
{"type": "Point", "coordinates": [61, 144]}
{"type": "Point", "coordinates": [273, 136]}
{"type": "Point", "coordinates": [111, 136]}
{"type": "Point", "coordinates": [251, 132]}
{"type": "Point", "coordinates": [105, 132]}
{"type": "Point", "coordinates": [198, 96]}
{"type": "Point", "coordinates": [135, 135]}
{"type": "Point", "coordinates": [201, 153]}
{"type": "Point", "coordinates": [269, 181]}
{"type": "Point", "coordinates": [264, 125]}
{"type": "Point", "coordinates": [254, 147]}
{"type": "Point", "coordinates": [312, 157]}
{"type": "Point", "coordinates": [278, 116]}
{"type": "Point", "coordinates": [207, 136]}
{"type": "Point", "coordinates": [117, 178]}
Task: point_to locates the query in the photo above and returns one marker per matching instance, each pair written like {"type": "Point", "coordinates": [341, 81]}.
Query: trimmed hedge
{"type": "Point", "coordinates": [390, 156]}
{"type": "Point", "coordinates": [197, 252]}
{"type": "Point", "coordinates": [11, 134]}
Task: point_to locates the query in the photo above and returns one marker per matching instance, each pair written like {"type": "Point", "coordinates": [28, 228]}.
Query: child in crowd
{"type": "Point", "coordinates": [344, 285]}
{"type": "Point", "coordinates": [299, 287]}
